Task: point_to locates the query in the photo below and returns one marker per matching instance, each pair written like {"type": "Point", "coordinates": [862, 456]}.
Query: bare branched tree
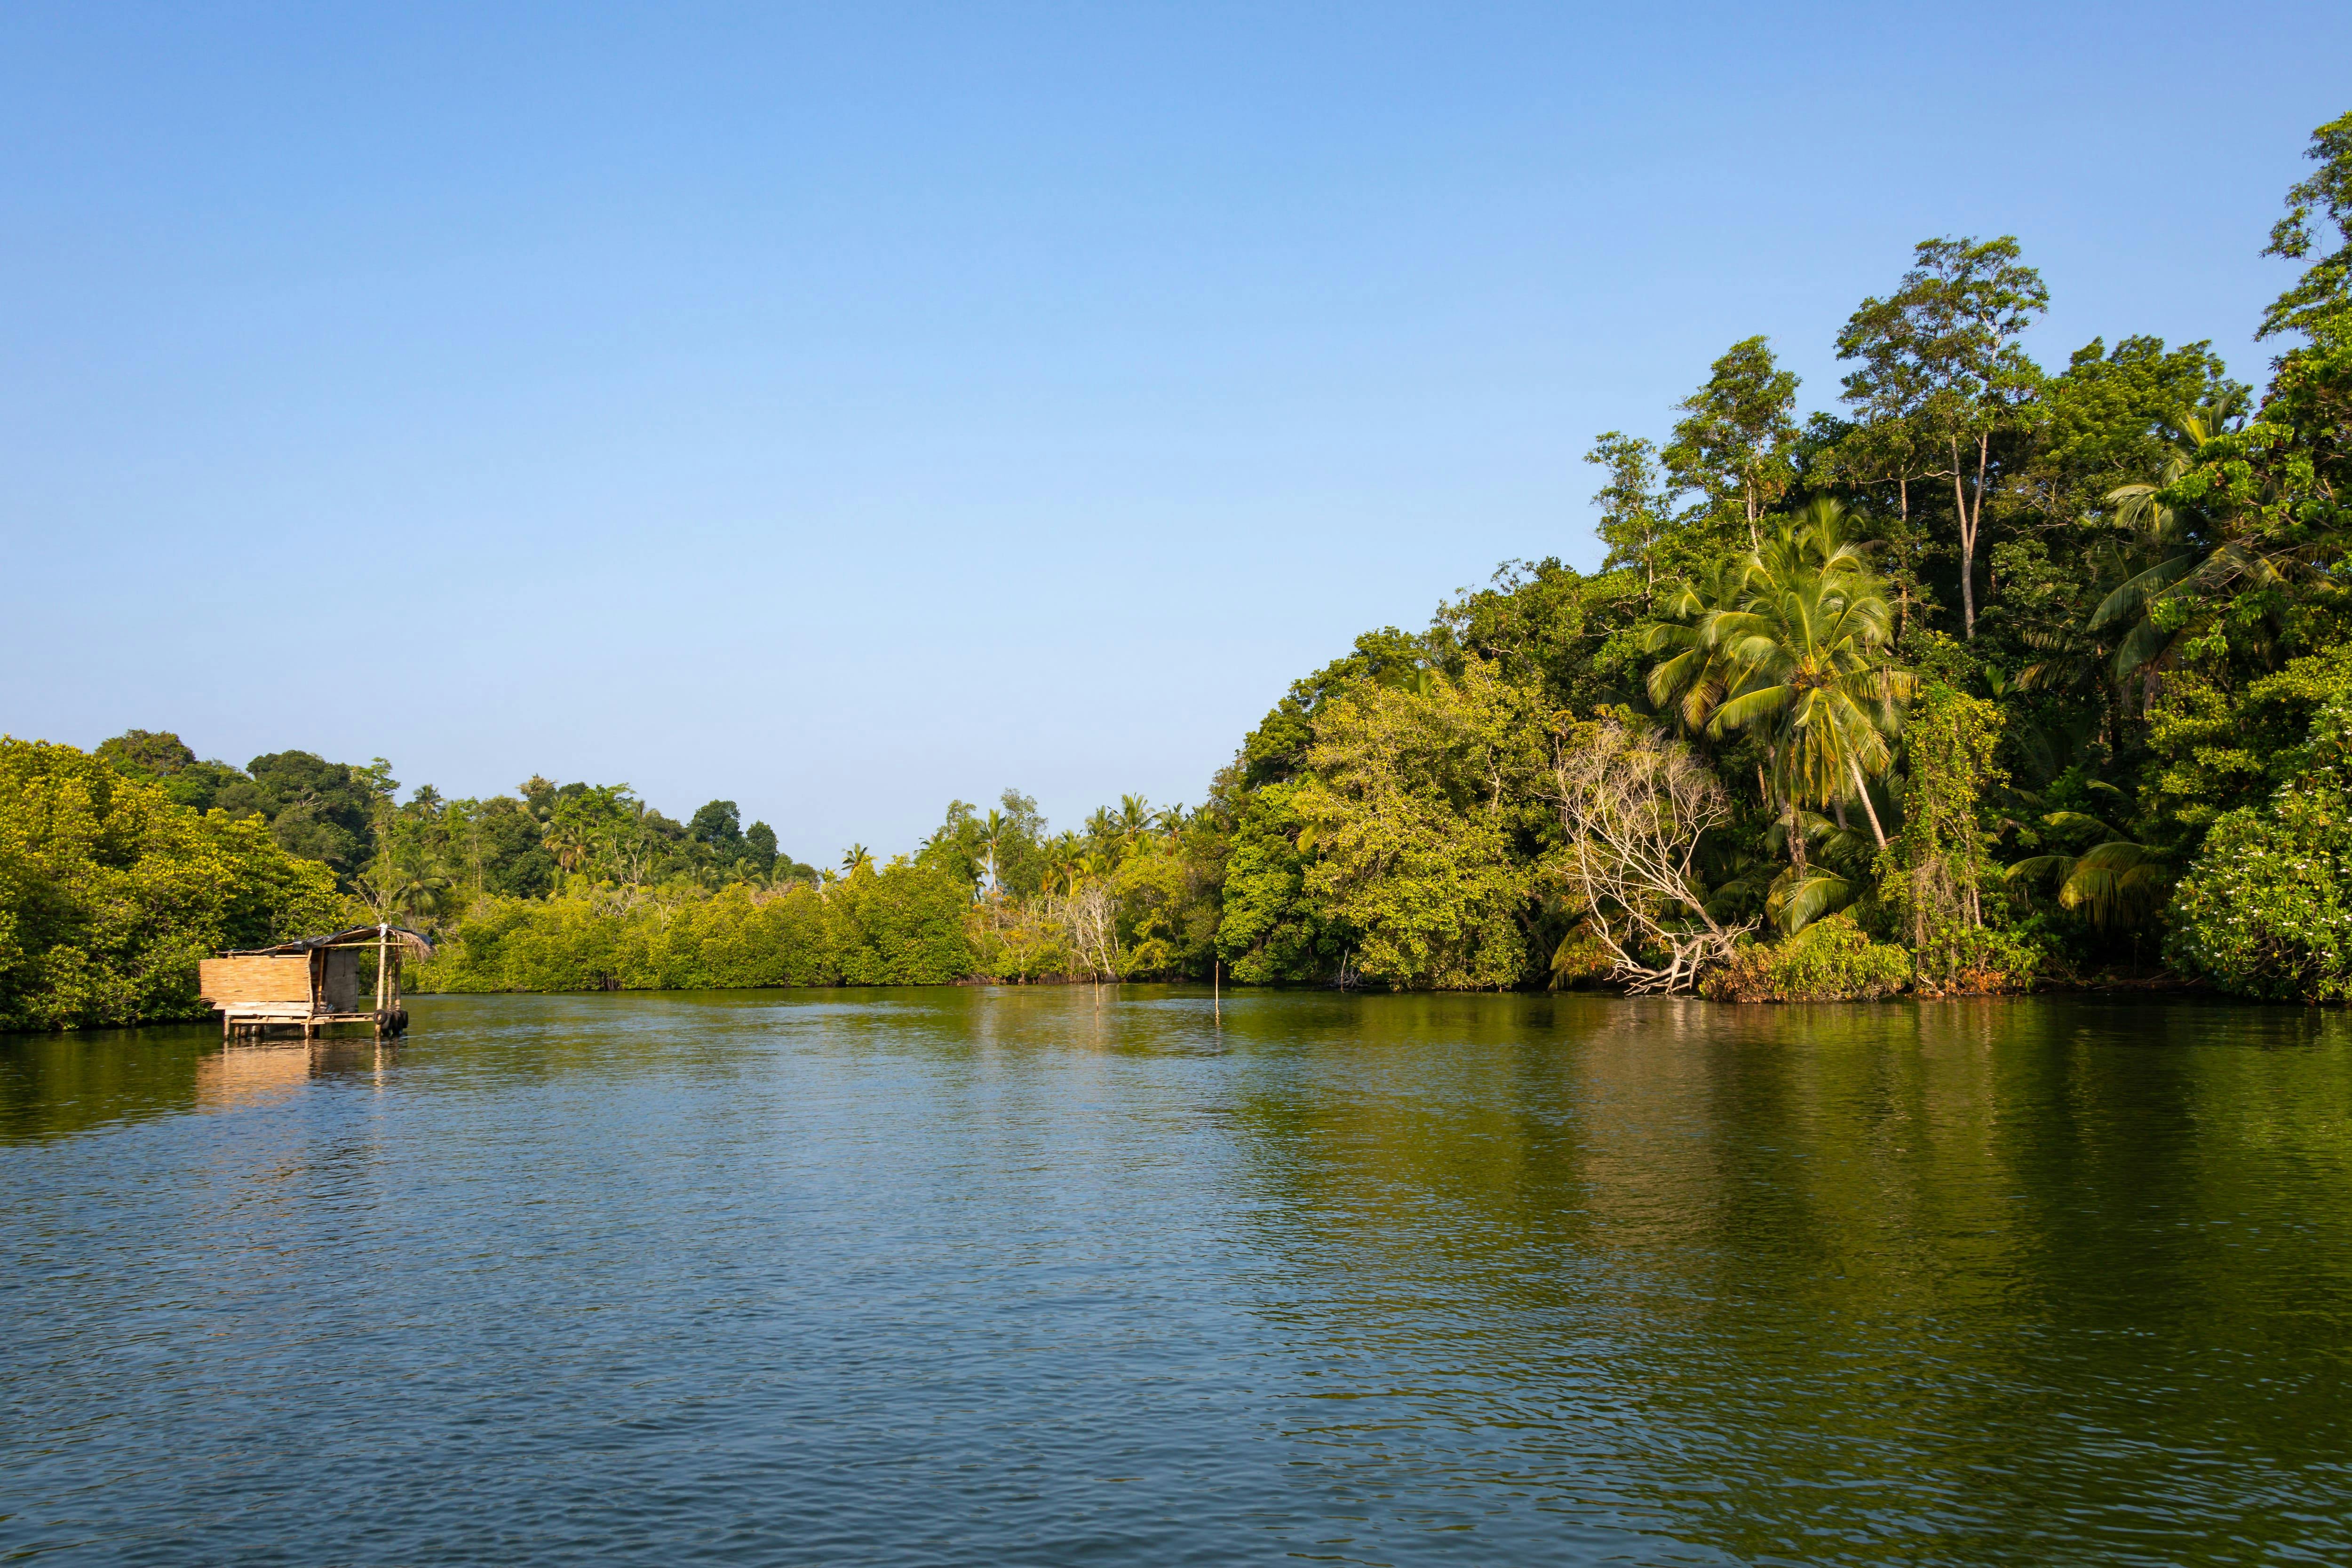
{"type": "Point", "coordinates": [1632, 807]}
{"type": "Point", "coordinates": [1090, 916]}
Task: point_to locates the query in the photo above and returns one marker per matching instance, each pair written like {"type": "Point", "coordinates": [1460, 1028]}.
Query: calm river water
{"type": "Point", "coordinates": [1002, 1276]}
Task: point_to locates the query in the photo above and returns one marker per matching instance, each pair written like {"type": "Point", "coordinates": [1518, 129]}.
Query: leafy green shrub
{"type": "Point", "coordinates": [2266, 912]}
{"type": "Point", "coordinates": [1582, 958]}
{"type": "Point", "coordinates": [110, 893]}
{"type": "Point", "coordinates": [1830, 960]}
{"type": "Point", "coordinates": [1988, 961]}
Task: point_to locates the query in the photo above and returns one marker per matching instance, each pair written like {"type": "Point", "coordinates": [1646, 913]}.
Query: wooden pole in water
{"type": "Point", "coordinates": [383, 958]}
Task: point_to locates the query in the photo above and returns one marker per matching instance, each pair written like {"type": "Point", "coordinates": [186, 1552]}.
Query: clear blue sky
{"type": "Point", "coordinates": [845, 410]}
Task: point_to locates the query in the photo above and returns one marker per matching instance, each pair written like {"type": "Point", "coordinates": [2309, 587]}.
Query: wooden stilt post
{"type": "Point", "coordinates": [382, 963]}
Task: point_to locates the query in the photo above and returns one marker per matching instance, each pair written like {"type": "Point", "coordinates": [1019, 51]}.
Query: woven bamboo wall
{"type": "Point", "coordinates": [231, 982]}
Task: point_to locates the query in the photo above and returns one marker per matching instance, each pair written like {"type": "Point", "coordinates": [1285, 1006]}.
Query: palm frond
{"type": "Point", "coordinates": [2133, 597]}
{"type": "Point", "coordinates": [2145, 644]}
{"type": "Point", "coordinates": [1671, 677]}
{"type": "Point", "coordinates": [2117, 881]}
{"type": "Point", "coordinates": [1739, 711]}
{"type": "Point", "coordinates": [1797, 899]}
{"type": "Point", "coordinates": [2036, 867]}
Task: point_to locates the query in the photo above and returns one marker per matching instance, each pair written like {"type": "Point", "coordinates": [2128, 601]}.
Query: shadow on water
{"type": "Point", "coordinates": [1919, 1282]}
{"type": "Point", "coordinates": [983, 1275]}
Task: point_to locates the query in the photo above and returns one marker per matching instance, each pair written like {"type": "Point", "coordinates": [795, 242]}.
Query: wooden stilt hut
{"type": "Point", "coordinates": [311, 982]}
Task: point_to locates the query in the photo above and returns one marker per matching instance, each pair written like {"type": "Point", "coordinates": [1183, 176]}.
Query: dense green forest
{"type": "Point", "coordinates": [1992, 675]}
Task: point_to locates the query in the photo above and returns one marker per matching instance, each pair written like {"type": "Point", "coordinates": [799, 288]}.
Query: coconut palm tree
{"type": "Point", "coordinates": [857, 858]}
{"type": "Point", "coordinates": [1067, 864]}
{"type": "Point", "coordinates": [1102, 830]}
{"type": "Point", "coordinates": [1805, 660]}
{"type": "Point", "coordinates": [991, 836]}
{"type": "Point", "coordinates": [406, 890]}
{"type": "Point", "coordinates": [1692, 679]}
{"type": "Point", "coordinates": [568, 843]}
{"type": "Point", "coordinates": [1135, 821]}
{"type": "Point", "coordinates": [2168, 553]}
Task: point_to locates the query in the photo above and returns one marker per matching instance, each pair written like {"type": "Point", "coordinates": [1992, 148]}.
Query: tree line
{"type": "Point", "coordinates": [1988, 676]}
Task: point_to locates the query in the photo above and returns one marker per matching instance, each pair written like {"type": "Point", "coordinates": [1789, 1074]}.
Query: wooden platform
{"type": "Point", "coordinates": [257, 1021]}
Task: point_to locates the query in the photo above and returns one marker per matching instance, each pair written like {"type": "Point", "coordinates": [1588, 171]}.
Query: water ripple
{"type": "Point", "coordinates": [983, 1277]}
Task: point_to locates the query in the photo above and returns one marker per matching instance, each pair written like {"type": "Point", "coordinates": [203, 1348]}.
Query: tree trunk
{"type": "Point", "coordinates": [1864, 791]}
{"type": "Point", "coordinates": [1967, 545]}
{"type": "Point", "coordinates": [1903, 599]}
{"type": "Point", "coordinates": [1976, 509]}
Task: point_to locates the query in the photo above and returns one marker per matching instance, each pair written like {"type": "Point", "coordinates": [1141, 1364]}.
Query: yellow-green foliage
{"type": "Point", "coordinates": [903, 925]}
{"type": "Point", "coordinates": [1016, 941]}
{"type": "Point", "coordinates": [1831, 960]}
{"type": "Point", "coordinates": [1419, 812]}
{"type": "Point", "coordinates": [110, 893]}
{"type": "Point", "coordinates": [1155, 915]}
{"type": "Point", "coordinates": [1167, 909]}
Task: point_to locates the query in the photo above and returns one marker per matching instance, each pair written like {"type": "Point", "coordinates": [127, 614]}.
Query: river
{"type": "Point", "coordinates": [1059, 1277]}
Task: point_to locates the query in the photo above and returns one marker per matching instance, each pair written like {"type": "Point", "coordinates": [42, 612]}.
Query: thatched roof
{"type": "Point", "coordinates": [412, 942]}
